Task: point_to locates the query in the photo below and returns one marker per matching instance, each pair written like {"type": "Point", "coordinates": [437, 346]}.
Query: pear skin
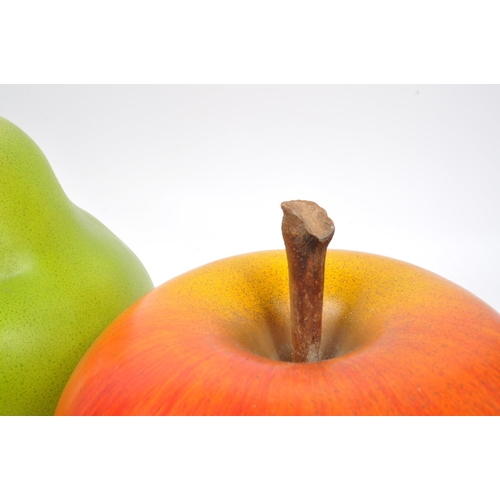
{"type": "Point", "coordinates": [64, 277]}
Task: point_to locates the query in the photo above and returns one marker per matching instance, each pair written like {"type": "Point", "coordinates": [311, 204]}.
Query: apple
{"type": "Point", "coordinates": [366, 335]}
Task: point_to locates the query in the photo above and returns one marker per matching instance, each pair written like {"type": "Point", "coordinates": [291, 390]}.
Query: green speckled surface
{"type": "Point", "coordinates": [63, 278]}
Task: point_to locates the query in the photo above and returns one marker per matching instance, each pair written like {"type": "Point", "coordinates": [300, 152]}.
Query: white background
{"type": "Point", "coordinates": [187, 174]}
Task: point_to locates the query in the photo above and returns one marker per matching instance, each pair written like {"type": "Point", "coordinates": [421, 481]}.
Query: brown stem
{"type": "Point", "coordinates": [307, 230]}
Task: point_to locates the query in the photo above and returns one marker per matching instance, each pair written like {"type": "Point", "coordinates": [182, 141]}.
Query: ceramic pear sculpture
{"type": "Point", "coordinates": [64, 277]}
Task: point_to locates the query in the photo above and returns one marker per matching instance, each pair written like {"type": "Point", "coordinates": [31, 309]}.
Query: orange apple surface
{"type": "Point", "coordinates": [397, 340]}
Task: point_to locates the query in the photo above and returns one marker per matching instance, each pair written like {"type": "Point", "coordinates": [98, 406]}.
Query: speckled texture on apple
{"type": "Point", "coordinates": [398, 340]}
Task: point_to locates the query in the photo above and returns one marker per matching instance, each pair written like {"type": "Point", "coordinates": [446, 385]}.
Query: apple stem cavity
{"type": "Point", "coordinates": [307, 231]}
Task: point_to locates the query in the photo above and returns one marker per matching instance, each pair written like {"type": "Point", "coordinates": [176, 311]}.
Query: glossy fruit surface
{"type": "Point", "coordinates": [63, 278]}
{"type": "Point", "coordinates": [397, 340]}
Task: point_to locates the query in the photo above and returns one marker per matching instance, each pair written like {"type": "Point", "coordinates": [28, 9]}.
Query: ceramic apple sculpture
{"type": "Point", "coordinates": [320, 333]}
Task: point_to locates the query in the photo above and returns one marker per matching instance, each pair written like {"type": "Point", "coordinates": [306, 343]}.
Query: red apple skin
{"type": "Point", "coordinates": [213, 342]}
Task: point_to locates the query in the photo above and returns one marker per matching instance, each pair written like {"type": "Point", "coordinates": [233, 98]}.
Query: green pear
{"type": "Point", "coordinates": [64, 277]}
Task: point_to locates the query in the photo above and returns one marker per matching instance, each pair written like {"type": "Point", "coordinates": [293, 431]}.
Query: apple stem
{"type": "Point", "coordinates": [307, 231]}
